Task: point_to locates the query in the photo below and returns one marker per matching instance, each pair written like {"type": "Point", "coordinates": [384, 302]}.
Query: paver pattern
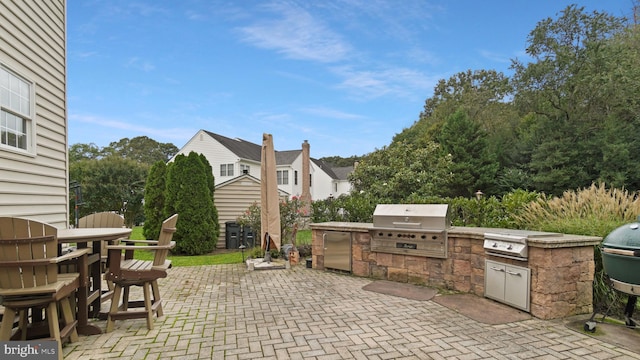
{"type": "Point", "coordinates": [228, 312]}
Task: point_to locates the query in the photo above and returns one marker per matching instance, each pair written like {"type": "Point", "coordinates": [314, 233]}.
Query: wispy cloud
{"type": "Point", "coordinates": [131, 128]}
{"type": "Point", "coordinates": [392, 81]}
{"type": "Point", "coordinates": [137, 63]}
{"type": "Point", "coordinates": [132, 8]}
{"type": "Point", "coordinates": [84, 54]}
{"type": "Point", "coordinates": [494, 56]}
{"type": "Point", "coordinates": [331, 113]}
{"type": "Point", "coordinates": [296, 34]}
{"type": "Point", "coordinates": [195, 15]}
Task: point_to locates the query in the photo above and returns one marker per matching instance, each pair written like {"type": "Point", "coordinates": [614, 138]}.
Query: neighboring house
{"type": "Point", "coordinates": [33, 116]}
{"type": "Point", "coordinates": [236, 169]}
{"type": "Point", "coordinates": [230, 158]}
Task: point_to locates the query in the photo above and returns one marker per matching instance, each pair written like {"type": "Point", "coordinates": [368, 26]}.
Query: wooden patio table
{"type": "Point", "coordinates": [90, 293]}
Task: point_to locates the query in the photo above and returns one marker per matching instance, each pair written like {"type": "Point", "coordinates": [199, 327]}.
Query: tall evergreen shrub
{"type": "Point", "coordinates": [154, 191]}
{"type": "Point", "coordinates": [211, 184]}
{"type": "Point", "coordinates": [188, 194]}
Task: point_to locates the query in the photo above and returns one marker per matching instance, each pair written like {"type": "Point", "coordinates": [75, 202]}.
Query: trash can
{"type": "Point", "coordinates": [232, 235]}
{"type": "Point", "coordinates": [248, 237]}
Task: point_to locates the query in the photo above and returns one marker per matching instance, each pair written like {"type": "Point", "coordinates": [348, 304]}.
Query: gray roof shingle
{"type": "Point", "coordinates": [250, 151]}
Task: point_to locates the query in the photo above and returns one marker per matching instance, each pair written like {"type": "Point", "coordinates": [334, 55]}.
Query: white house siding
{"type": "Point", "coordinates": [296, 165]}
{"type": "Point", "coordinates": [344, 187]}
{"type": "Point", "coordinates": [321, 184]}
{"type": "Point", "coordinates": [33, 46]}
{"type": "Point", "coordinates": [216, 153]}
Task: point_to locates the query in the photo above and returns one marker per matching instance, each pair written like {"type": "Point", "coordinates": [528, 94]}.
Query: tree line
{"type": "Point", "coordinates": [565, 119]}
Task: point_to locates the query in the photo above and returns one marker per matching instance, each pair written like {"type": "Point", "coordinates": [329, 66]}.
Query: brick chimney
{"type": "Point", "coordinates": [305, 197]}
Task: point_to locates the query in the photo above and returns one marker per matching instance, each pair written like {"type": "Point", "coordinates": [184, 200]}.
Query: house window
{"type": "Point", "coordinates": [335, 187]}
{"type": "Point", "coordinates": [226, 169]}
{"type": "Point", "coordinates": [283, 177]}
{"type": "Point", "coordinates": [244, 169]}
{"type": "Point", "coordinates": [16, 102]}
{"type": "Point", "coordinates": [295, 177]}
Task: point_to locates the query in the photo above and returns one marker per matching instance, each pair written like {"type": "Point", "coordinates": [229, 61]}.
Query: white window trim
{"type": "Point", "coordinates": [227, 167]}
{"type": "Point", "coordinates": [281, 179]}
{"type": "Point", "coordinates": [31, 119]}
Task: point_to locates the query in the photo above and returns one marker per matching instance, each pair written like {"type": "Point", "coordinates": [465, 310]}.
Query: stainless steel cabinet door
{"type": "Point", "coordinates": [337, 250]}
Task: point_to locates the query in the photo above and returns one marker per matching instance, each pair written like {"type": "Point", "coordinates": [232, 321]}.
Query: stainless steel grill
{"type": "Point", "coordinates": [507, 246]}
{"type": "Point", "coordinates": [411, 229]}
{"type": "Point", "coordinates": [511, 244]}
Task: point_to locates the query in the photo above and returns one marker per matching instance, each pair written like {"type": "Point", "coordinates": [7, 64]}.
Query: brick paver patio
{"type": "Point", "coordinates": [228, 312]}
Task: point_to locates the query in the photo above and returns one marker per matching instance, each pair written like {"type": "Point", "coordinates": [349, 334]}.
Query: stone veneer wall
{"type": "Point", "coordinates": [562, 268]}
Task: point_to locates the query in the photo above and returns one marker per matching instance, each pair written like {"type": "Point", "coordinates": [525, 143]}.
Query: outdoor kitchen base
{"type": "Point", "coordinates": [561, 267]}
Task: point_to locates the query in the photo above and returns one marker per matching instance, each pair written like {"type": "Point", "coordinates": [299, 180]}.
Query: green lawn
{"type": "Point", "coordinates": [218, 257]}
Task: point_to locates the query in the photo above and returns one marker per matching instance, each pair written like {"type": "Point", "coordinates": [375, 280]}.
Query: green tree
{"type": "Point", "coordinates": [566, 96]}
{"type": "Point", "coordinates": [188, 194]}
{"type": "Point", "coordinates": [474, 167]}
{"type": "Point", "coordinates": [211, 184]}
{"type": "Point", "coordinates": [484, 96]}
{"type": "Point", "coordinates": [79, 152]}
{"type": "Point", "coordinates": [337, 161]}
{"type": "Point", "coordinates": [401, 171]}
{"type": "Point", "coordinates": [110, 184]}
{"type": "Point", "coordinates": [141, 149]}
{"type": "Point", "coordinates": [154, 193]}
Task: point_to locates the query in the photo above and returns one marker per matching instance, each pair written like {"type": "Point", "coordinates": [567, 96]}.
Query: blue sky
{"type": "Point", "coordinates": [346, 75]}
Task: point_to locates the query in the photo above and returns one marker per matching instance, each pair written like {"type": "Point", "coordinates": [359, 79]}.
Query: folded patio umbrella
{"type": "Point", "coordinates": [269, 199]}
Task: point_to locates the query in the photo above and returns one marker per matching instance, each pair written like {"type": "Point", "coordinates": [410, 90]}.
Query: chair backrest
{"type": "Point", "coordinates": [166, 234]}
{"type": "Point", "coordinates": [23, 242]}
{"type": "Point", "coordinates": [104, 219]}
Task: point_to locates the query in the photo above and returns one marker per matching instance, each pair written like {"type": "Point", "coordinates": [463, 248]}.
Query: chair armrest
{"type": "Point", "coordinates": [171, 245]}
{"type": "Point", "coordinates": [72, 255]}
{"type": "Point", "coordinates": [35, 262]}
{"type": "Point", "coordinates": [14, 263]}
{"type": "Point", "coordinates": [139, 241]}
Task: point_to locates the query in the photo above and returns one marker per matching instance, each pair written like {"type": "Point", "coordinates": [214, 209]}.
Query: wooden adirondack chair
{"type": "Point", "coordinates": [102, 220]}
{"type": "Point", "coordinates": [105, 219]}
{"type": "Point", "coordinates": [128, 272]}
{"type": "Point", "coordinates": [30, 282]}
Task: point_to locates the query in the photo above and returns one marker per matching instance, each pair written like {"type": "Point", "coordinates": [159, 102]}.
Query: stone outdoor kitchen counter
{"type": "Point", "coordinates": [561, 265]}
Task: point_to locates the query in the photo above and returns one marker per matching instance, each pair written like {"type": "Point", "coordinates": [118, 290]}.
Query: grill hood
{"type": "Point", "coordinates": [625, 237]}
{"type": "Point", "coordinates": [621, 256]}
{"type": "Point", "coordinates": [411, 216]}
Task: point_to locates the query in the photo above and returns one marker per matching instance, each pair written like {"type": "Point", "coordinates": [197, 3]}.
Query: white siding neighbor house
{"type": "Point", "coordinates": [236, 169]}
{"type": "Point", "coordinates": [231, 158]}
{"type": "Point", "coordinates": [33, 116]}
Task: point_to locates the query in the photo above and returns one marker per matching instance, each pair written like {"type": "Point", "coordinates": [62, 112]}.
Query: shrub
{"type": "Point", "coordinates": [154, 194]}
{"type": "Point", "coordinates": [594, 211]}
{"type": "Point", "coordinates": [291, 211]}
{"type": "Point", "coordinates": [188, 194]}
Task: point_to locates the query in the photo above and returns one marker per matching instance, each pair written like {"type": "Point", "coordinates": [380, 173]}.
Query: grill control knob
{"type": "Point", "coordinates": [509, 247]}
{"type": "Point", "coordinates": [495, 245]}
